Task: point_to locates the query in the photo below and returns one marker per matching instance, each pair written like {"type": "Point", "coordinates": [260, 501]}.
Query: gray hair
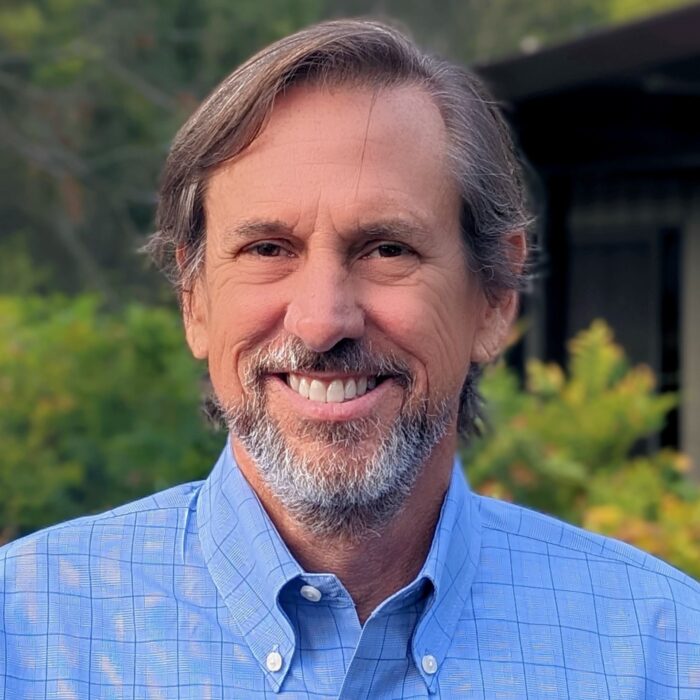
{"type": "Point", "coordinates": [358, 53]}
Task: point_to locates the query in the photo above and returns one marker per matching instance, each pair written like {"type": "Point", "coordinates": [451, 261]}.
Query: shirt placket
{"type": "Point", "coordinates": [383, 666]}
{"type": "Point", "coordinates": [327, 631]}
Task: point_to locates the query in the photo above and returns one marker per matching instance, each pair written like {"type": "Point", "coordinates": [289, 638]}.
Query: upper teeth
{"type": "Point", "coordinates": [333, 391]}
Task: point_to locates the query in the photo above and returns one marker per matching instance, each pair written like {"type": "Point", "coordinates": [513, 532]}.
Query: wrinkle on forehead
{"type": "Point", "coordinates": [372, 103]}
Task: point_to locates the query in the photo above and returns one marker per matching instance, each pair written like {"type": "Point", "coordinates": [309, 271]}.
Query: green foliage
{"type": "Point", "coordinates": [625, 10]}
{"type": "Point", "coordinates": [95, 409]}
{"type": "Point", "coordinates": [19, 272]}
{"type": "Point", "coordinates": [563, 444]}
{"type": "Point", "coordinates": [91, 93]}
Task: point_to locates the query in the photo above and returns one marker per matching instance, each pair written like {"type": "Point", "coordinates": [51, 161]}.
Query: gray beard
{"type": "Point", "coordinates": [340, 488]}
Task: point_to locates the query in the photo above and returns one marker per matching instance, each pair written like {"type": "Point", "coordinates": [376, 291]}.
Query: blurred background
{"type": "Point", "coordinates": [595, 414]}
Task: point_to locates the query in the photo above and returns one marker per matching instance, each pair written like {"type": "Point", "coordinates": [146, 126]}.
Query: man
{"type": "Point", "coordinates": [344, 221]}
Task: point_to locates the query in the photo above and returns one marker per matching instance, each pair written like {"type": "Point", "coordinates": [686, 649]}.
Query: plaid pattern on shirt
{"type": "Point", "coordinates": [192, 594]}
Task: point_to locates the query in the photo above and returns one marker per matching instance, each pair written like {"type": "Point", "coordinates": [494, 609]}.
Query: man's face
{"type": "Point", "coordinates": [335, 299]}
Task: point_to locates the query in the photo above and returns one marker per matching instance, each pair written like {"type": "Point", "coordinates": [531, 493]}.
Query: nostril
{"type": "Point", "coordinates": [321, 323]}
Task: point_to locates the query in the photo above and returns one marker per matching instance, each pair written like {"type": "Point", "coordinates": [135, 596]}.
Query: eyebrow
{"type": "Point", "coordinates": [255, 228]}
{"type": "Point", "coordinates": [394, 229]}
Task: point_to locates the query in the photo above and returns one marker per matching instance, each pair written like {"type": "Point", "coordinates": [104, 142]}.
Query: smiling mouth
{"type": "Point", "coordinates": [332, 389]}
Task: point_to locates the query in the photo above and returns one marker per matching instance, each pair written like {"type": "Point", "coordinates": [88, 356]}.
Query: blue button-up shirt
{"type": "Point", "coordinates": [192, 593]}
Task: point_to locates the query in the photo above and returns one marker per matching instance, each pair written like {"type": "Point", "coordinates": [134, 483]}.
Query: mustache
{"type": "Point", "coordinates": [346, 357]}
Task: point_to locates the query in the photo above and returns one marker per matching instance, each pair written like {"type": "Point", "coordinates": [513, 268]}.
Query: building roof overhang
{"type": "Point", "coordinates": [610, 54]}
{"type": "Point", "coordinates": [624, 98]}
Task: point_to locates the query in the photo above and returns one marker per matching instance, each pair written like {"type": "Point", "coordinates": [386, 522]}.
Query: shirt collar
{"type": "Point", "coordinates": [248, 562]}
{"type": "Point", "coordinates": [450, 567]}
{"type": "Point", "coordinates": [250, 565]}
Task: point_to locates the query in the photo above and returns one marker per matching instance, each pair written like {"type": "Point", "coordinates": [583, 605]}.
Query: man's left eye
{"type": "Point", "coordinates": [388, 250]}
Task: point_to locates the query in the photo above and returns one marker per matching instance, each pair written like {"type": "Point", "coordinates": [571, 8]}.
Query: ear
{"type": "Point", "coordinates": [496, 316]}
{"type": "Point", "coordinates": [496, 319]}
{"type": "Point", "coordinates": [194, 311]}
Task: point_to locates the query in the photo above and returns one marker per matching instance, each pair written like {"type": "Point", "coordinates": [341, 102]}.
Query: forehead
{"type": "Point", "coordinates": [345, 148]}
{"type": "Point", "coordinates": [352, 114]}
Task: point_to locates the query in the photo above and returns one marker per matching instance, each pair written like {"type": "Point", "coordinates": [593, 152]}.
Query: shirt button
{"type": "Point", "coordinates": [310, 593]}
{"type": "Point", "coordinates": [429, 663]}
{"type": "Point", "coordinates": [274, 661]}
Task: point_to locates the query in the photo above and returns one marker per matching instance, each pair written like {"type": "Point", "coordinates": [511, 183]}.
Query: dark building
{"type": "Point", "coordinates": [610, 125]}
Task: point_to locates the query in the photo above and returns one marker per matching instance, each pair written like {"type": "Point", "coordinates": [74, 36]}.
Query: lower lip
{"type": "Point", "coordinates": [359, 407]}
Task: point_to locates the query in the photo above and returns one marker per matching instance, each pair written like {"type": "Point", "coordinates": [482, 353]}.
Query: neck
{"type": "Point", "coordinates": [376, 566]}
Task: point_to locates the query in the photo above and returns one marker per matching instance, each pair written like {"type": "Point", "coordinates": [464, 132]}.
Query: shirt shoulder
{"type": "Point", "coordinates": [26, 560]}
{"type": "Point", "coordinates": [72, 595]}
{"type": "Point", "coordinates": [585, 560]}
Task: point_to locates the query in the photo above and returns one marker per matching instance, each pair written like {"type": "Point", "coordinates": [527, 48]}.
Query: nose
{"type": "Point", "coordinates": [323, 308]}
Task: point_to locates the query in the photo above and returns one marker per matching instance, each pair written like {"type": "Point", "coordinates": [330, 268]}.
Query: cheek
{"type": "Point", "coordinates": [241, 319]}
{"type": "Point", "coordinates": [433, 325]}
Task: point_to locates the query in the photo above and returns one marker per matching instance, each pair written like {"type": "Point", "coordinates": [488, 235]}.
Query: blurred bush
{"type": "Point", "coordinates": [96, 409]}
{"type": "Point", "coordinates": [565, 443]}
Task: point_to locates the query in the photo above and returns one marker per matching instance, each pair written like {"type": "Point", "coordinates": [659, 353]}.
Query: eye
{"type": "Point", "coordinates": [389, 250]}
{"type": "Point", "coordinates": [267, 249]}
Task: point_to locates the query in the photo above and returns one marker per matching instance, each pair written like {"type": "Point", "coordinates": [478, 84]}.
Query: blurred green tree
{"type": "Point", "coordinates": [91, 92]}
